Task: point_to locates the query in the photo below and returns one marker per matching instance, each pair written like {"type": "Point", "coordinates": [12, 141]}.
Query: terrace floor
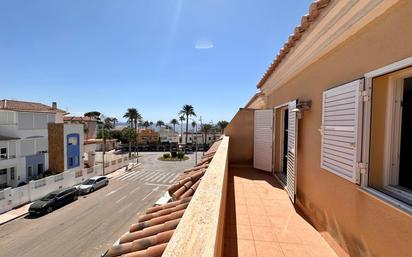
{"type": "Point", "coordinates": [262, 221]}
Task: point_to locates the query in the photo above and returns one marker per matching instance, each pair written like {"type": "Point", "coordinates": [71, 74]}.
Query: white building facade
{"type": "Point", "coordinates": [24, 140]}
{"type": "Point", "coordinates": [168, 135]}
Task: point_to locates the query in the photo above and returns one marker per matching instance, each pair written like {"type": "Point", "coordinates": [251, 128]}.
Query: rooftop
{"type": "Point", "coordinates": [154, 229]}
{"type": "Point", "coordinates": [307, 20]}
{"type": "Point", "coordinates": [15, 105]}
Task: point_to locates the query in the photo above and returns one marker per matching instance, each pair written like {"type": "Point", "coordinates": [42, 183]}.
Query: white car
{"type": "Point", "coordinates": [92, 184]}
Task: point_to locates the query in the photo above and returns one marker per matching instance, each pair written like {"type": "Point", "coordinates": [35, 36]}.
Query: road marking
{"type": "Point", "coordinates": [112, 192]}
{"type": "Point", "coordinates": [134, 190]}
{"type": "Point", "coordinates": [146, 174]}
{"type": "Point", "coordinates": [118, 201]}
{"type": "Point", "coordinates": [127, 176]}
{"type": "Point", "coordinates": [151, 177]}
{"type": "Point", "coordinates": [154, 189]}
{"type": "Point", "coordinates": [138, 176]}
{"type": "Point", "coordinates": [174, 178]}
{"type": "Point", "coordinates": [161, 178]}
{"type": "Point", "coordinates": [154, 184]}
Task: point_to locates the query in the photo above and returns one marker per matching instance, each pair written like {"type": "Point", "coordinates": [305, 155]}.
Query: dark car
{"type": "Point", "coordinates": [53, 201]}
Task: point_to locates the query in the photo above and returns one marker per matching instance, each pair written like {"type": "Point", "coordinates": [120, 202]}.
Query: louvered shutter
{"type": "Point", "coordinates": [341, 130]}
{"type": "Point", "coordinates": [292, 150]}
{"type": "Point", "coordinates": [263, 137]}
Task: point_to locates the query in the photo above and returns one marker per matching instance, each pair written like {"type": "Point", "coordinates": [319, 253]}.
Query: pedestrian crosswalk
{"type": "Point", "coordinates": [148, 176]}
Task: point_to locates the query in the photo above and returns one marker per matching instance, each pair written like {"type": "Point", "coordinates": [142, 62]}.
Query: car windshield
{"type": "Point", "coordinates": [89, 182]}
{"type": "Point", "coordinates": [49, 196]}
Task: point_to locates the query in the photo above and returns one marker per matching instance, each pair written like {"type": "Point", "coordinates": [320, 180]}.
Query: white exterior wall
{"type": "Point", "coordinates": [31, 128]}
{"type": "Point", "coordinates": [200, 138]}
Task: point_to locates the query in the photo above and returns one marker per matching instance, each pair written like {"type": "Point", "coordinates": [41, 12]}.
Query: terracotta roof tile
{"type": "Point", "coordinates": [314, 11]}
{"type": "Point", "coordinates": [27, 106]}
{"type": "Point", "coordinates": [150, 235]}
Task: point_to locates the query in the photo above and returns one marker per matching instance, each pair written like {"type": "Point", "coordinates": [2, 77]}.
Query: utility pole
{"type": "Point", "coordinates": [104, 145]}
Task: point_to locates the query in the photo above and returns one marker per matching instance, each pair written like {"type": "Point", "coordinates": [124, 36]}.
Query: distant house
{"type": "Point", "coordinates": [148, 136]}
{"type": "Point", "coordinates": [168, 135]}
{"type": "Point", "coordinates": [90, 125]}
{"type": "Point", "coordinates": [24, 139]}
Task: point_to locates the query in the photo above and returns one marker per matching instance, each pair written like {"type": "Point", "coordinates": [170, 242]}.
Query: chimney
{"type": "Point", "coordinates": [54, 106]}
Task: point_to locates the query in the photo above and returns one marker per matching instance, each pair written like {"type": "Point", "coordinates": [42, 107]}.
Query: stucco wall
{"type": "Point", "coordinates": [362, 224]}
{"type": "Point", "coordinates": [56, 146]}
{"type": "Point", "coordinates": [240, 130]}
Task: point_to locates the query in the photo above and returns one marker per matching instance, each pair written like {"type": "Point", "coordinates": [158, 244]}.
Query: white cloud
{"type": "Point", "coordinates": [204, 43]}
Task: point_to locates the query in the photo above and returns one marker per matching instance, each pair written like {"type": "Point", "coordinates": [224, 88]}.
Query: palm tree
{"type": "Point", "coordinates": [132, 116]}
{"type": "Point", "coordinates": [193, 133]}
{"type": "Point", "coordinates": [222, 125]}
{"type": "Point", "coordinates": [188, 111]}
{"type": "Point", "coordinates": [114, 121]}
{"type": "Point", "coordinates": [174, 122]}
{"type": "Point", "coordinates": [130, 135]}
{"type": "Point", "coordinates": [181, 118]}
{"type": "Point", "coordinates": [160, 123]}
{"type": "Point", "coordinates": [146, 124]}
{"type": "Point", "coordinates": [205, 129]}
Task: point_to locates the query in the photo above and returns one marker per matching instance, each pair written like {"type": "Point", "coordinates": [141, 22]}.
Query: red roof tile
{"type": "Point", "coordinates": [307, 20]}
{"type": "Point", "coordinates": [15, 105]}
{"type": "Point", "coordinates": [150, 235]}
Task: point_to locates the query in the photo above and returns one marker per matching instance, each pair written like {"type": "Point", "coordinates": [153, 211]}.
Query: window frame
{"type": "Point", "coordinates": [366, 131]}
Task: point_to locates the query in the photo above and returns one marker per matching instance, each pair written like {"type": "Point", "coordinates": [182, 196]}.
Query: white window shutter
{"type": "Point", "coordinates": [263, 139]}
{"type": "Point", "coordinates": [341, 130]}
{"type": "Point", "coordinates": [292, 150]}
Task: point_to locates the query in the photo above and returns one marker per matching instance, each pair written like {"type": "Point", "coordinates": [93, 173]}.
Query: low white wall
{"type": "Point", "coordinates": [36, 189]}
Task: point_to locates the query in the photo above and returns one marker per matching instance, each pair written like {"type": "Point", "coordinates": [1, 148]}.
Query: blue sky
{"type": "Point", "coordinates": [154, 55]}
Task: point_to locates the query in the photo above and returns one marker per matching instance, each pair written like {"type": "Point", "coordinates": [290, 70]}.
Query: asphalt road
{"type": "Point", "coordinates": [90, 225]}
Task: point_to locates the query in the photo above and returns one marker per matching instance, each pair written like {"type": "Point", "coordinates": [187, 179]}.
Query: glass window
{"type": "Point", "coordinates": [29, 171]}
{"type": "Point", "coordinates": [3, 153]}
{"type": "Point", "coordinates": [391, 121]}
{"type": "Point", "coordinates": [12, 173]}
{"type": "Point", "coordinates": [72, 140]}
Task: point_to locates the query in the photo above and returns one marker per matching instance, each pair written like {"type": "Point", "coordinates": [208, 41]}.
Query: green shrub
{"type": "Point", "coordinates": [180, 155]}
{"type": "Point", "coordinates": [174, 154]}
{"type": "Point", "coordinates": [166, 155]}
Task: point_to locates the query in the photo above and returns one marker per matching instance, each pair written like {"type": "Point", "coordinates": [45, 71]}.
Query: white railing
{"type": "Point", "coordinates": [14, 197]}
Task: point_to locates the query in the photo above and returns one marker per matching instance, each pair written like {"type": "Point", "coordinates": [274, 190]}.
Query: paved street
{"type": "Point", "coordinates": [90, 225]}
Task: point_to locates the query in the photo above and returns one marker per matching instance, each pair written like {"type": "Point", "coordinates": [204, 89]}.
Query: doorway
{"type": "Point", "coordinates": [281, 143]}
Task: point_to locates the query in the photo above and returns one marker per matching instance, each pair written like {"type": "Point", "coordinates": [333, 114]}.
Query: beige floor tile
{"type": "Point", "coordinates": [268, 249]}
{"type": "Point", "coordinates": [295, 250]}
{"type": "Point", "coordinates": [241, 232]}
{"type": "Point", "coordinates": [262, 233]}
{"type": "Point", "coordinates": [245, 248]}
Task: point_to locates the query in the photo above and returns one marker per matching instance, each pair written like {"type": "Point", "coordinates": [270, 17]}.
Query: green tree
{"type": "Point", "coordinates": [205, 129]}
{"type": "Point", "coordinates": [133, 116]}
{"type": "Point", "coordinates": [174, 122]}
{"type": "Point", "coordinates": [114, 121]}
{"type": "Point", "coordinates": [222, 125]}
{"type": "Point", "coordinates": [93, 114]}
{"type": "Point", "coordinates": [160, 123]}
{"type": "Point", "coordinates": [108, 123]}
{"type": "Point", "coordinates": [187, 110]}
{"type": "Point", "coordinates": [181, 118]}
{"type": "Point", "coordinates": [130, 135]}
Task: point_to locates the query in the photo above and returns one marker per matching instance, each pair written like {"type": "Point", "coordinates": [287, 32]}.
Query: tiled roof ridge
{"type": "Point", "coordinates": [7, 104]}
{"type": "Point", "coordinates": [150, 235]}
{"type": "Point", "coordinates": [307, 20]}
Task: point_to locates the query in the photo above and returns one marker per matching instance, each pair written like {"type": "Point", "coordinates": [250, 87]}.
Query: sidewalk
{"type": "Point", "coordinates": [14, 214]}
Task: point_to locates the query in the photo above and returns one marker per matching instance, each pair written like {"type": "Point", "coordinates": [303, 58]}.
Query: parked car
{"type": "Point", "coordinates": [53, 201]}
{"type": "Point", "coordinates": [92, 184]}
